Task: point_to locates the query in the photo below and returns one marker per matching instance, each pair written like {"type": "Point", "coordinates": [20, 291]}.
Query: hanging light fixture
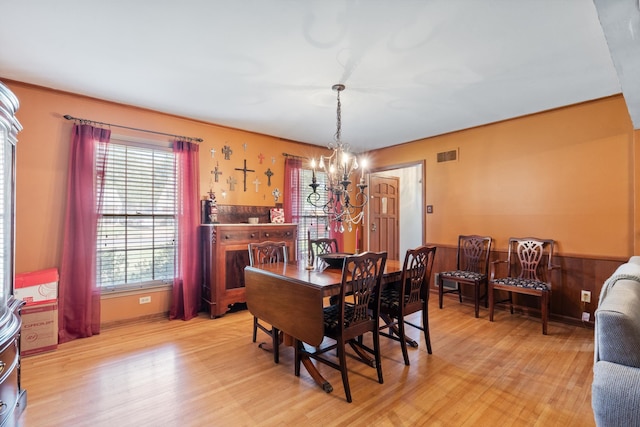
{"type": "Point", "coordinates": [340, 207]}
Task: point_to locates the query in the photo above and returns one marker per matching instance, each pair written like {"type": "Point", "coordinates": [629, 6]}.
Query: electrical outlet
{"type": "Point", "coordinates": [585, 296]}
{"type": "Point", "coordinates": [145, 300]}
{"type": "Point", "coordinates": [586, 316]}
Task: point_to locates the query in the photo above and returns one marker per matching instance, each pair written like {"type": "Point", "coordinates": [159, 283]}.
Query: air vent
{"type": "Point", "coordinates": [448, 156]}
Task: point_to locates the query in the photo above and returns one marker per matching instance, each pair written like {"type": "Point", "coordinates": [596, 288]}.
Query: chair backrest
{"type": "Point", "coordinates": [268, 253]}
{"type": "Point", "coordinates": [473, 253]}
{"type": "Point", "coordinates": [361, 279]}
{"type": "Point", "coordinates": [320, 247]}
{"type": "Point", "coordinates": [416, 275]}
{"type": "Point", "coordinates": [530, 258]}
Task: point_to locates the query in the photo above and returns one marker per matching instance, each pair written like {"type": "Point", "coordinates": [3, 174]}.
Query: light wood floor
{"type": "Point", "coordinates": [208, 373]}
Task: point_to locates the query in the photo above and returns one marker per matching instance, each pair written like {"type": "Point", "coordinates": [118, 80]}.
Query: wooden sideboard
{"type": "Point", "coordinates": [225, 255]}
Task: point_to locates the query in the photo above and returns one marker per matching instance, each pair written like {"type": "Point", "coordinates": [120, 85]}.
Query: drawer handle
{"type": "Point", "coordinates": [226, 236]}
{"type": "Point", "coordinates": [2, 366]}
{"type": "Point", "coordinates": [253, 235]}
{"type": "Point", "coordinates": [266, 234]}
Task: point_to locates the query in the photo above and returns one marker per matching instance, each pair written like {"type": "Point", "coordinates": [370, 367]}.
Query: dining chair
{"type": "Point", "coordinates": [409, 295]}
{"type": "Point", "coordinates": [268, 253]}
{"type": "Point", "coordinates": [350, 318]}
{"type": "Point", "coordinates": [529, 272]}
{"type": "Point", "coordinates": [320, 246]}
{"type": "Point", "coordinates": [472, 268]}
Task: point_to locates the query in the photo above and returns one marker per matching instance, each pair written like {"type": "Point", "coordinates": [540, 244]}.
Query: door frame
{"type": "Point", "coordinates": [419, 186]}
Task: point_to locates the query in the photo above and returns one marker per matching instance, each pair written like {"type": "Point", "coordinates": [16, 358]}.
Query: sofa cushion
{"type": "Point", "coordinates": [617, 326]}
{"type": "Point", "coordinates": [614, 395]}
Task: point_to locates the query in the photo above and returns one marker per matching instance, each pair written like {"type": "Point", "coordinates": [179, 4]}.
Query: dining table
{"type": "Point", "coordinates": [291, 297]}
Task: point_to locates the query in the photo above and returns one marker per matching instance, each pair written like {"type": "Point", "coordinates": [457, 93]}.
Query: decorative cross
{"type": "Point", "coordinates": [261, 157]}
{"type": "Point", "coordinates": [269, 175]}
{"type": "Point", "coordinates": [244, 171]}
{"type": "Point", "coordinates": [256, 183]}
{"type": "Point", "coordinates": [213, 153]}
{"type": "Point", "coordinates": [216, 172]}
{"type": "Point", "coordinates": [232, 184]}
{"type": "Point", "coordinates": [227, 152]}
{"type": "Point", "coordinates": [273, 160]}
{"type": "Point", "coordinates": [276, 194]}
{"type": "Point", "coordinates": [245, 147]}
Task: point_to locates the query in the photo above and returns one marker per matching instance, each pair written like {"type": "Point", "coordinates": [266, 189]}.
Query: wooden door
{"type": "Point", "coordinates": [384, 215]}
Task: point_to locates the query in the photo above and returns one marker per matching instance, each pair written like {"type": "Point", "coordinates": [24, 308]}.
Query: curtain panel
{"type": "Point", "coordinates": [78, 293]}
{"type": "Point", "coordinates": [185, 301]}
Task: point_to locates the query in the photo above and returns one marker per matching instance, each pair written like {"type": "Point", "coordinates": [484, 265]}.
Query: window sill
{"type": "Point", "coordinates": [118, 293]}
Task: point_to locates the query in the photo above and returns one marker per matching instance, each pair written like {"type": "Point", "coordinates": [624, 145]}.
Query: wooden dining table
{"type": "Point", "coordinates": [291, 298]}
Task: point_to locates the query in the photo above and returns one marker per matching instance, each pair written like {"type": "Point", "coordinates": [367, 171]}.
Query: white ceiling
{"type": "Point", "coordinates": [412, 69]}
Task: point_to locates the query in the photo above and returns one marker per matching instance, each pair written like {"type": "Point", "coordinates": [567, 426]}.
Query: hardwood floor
{"type": "Point", "coordinates": [208, 372]}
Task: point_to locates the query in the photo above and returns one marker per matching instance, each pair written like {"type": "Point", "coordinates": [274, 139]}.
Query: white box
{"type": "Point", "coordinates": [37, 287]}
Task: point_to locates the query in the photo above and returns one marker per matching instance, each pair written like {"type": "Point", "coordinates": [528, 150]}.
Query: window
{"type": "Point", "coordinates": [310, 218]}
{"type": "Point", "coordinates": [137, 231]}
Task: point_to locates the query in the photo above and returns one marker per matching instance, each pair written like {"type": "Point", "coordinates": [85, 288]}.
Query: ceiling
{"type": "Point", "coordinates": [412, 69]}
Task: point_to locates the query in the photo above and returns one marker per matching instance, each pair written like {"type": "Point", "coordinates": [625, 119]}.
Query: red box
{"type": "Point", "coordinates": [37, 287]}
{"type": "Point", "coordinates": [39, 331]}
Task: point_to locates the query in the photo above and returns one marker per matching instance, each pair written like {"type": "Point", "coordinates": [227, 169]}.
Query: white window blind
{"type": "Point", "coordinates": [310, 218]}
{"type": "Point", "coordinates": [137, 230]}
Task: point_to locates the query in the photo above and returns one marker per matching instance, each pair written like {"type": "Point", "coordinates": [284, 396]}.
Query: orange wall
{"type": "Point", "coordinates": [42, 162]}
{"type": "Point", "coordinates": [566, 174]}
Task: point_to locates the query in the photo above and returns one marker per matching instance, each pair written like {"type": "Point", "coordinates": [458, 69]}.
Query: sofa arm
{"type": "Point", "coordinates": [615, 395]}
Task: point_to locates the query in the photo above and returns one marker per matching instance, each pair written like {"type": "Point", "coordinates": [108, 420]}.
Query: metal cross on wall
{"type": "Point", "coordinates": [256, 183]}
{"type": "Point", "coordinates": [213, 152]}
{"type": "Point", "coordinates": [261, 157]}
{"type": "Point", "coordinates": [269, 175]}
{"type": "Point", "coordinates": [232, 184]}
{"type": "Point", "coordinates": [216, 172]}
{"type": "Point", "coordinates": [227, 151]}
{"type": "Point", "coordinates": [244, 171]}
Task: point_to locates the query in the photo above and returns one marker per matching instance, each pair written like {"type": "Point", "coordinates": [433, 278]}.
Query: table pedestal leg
{"type": "Point", "coordinates": [315, 374]}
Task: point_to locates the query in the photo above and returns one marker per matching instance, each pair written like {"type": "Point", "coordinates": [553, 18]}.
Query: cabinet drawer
{"type": "Point", "coordinates": [277, 234]}
{"type": "Point", "coordinates": [239, 236]}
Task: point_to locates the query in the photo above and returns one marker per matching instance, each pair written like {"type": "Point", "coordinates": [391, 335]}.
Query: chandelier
{"type": "Point", "coordinates": [340, 207]}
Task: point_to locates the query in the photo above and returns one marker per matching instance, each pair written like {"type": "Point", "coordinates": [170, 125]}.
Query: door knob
{"type": "Point", "coordinates": [374, 227]}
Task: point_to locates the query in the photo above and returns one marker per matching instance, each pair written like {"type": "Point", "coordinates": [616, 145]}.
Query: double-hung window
{"type": "Point", "coordinates": [137, 229]}
{"type": "Point", "coordinates": [310, 218]}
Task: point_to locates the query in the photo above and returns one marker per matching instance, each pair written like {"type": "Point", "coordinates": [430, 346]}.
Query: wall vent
{"type": "Point", "coordinates": [448, 156]}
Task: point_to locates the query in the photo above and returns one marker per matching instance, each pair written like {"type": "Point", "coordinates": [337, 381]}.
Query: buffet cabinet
{"type": "Point", "coordinates": [13, 398]}
{"type": "Point", "coordinates": [226, 254]}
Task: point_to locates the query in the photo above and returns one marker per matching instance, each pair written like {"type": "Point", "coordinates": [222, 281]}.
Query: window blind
{"type": "Point", "coordinates": [137, 229]}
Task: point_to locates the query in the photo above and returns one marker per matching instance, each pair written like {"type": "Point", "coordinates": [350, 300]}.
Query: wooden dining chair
{"type": "Point", "coordinates": [472, 268]}
{"type": "Point", "coordinates": [268, 253]}
{"type": "Point", "coordinates": [529, 272]}
{"type": "Point", "coordinates": [350, 318]}
{"type": "Point", "coordinates": [409, 295]}
{"type": "Point", "coordinates": [320, 246]}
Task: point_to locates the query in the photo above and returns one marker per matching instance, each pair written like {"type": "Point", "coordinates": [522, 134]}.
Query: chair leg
{"type": "Point", "coordinates": [275, 335]}
{"type": "Point", "coordinates": [511, 302]}
{"type": "Point", "coordinates": [343, 370]}
{"type": "Point", "coordinates": [459, 292]}
{"type": "Point", "coordinates": [297, 345]}
{"type": "Point", "coordinates": [255, 328]}
{"type": "Point", "coordinates": [491, 297]}
{"type": "Point", "coordinates": [425, 327]}
{"type": "Point", "coordinates": [477, 298]}
{"type": "Point", "coordinates": [544, 309]}
{"type": "Point", "coordinates": [376, 350]}
{"type": "Point", "coordinates": [440, 291]}
{"type": "Point", "coordinates": [486, 295]}
{"type": "Point", "coordinates": [403, 342]}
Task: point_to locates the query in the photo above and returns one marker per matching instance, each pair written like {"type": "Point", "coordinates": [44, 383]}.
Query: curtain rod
{"type": "Point", "coordinates": [68, 117]}
{"type": "Point", "coordinates": [294, 156]}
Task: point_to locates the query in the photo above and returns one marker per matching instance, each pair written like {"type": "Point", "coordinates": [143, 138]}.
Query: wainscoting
{"type": "Point", "coordinates": [576, 274]}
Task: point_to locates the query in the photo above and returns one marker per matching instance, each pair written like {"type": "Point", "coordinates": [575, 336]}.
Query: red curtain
{"type": "Point", "coordinates": [78, 293]}
{"type": "Point", "coordinates": [186, 284]}
{"type": "Point", "coordinates": [292, 184]}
